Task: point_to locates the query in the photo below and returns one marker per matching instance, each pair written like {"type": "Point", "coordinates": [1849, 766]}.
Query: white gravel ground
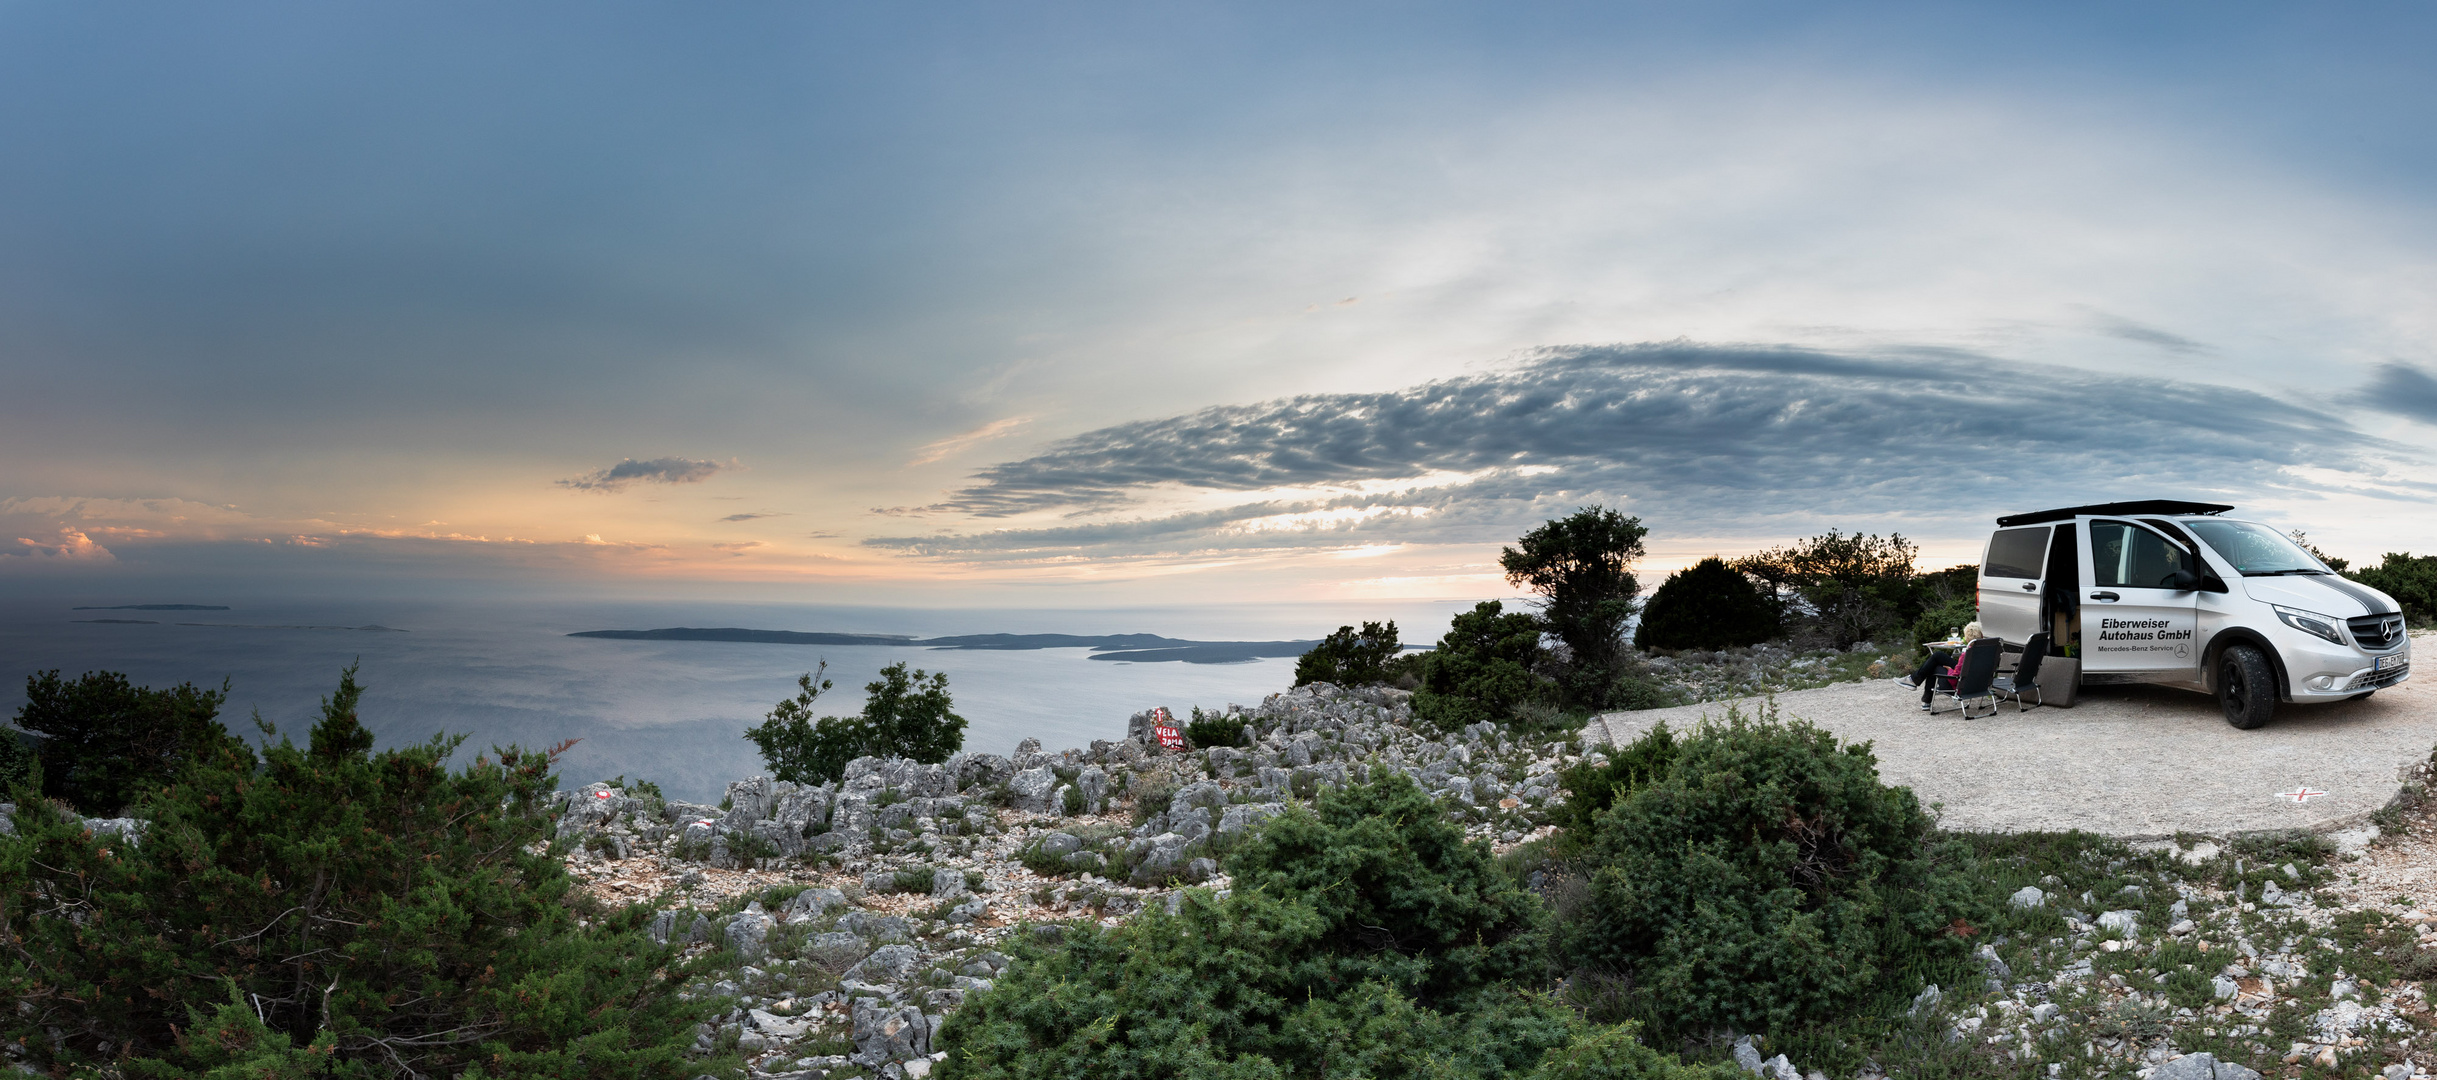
{"type": "Point", "coordinates": [2140, 763]}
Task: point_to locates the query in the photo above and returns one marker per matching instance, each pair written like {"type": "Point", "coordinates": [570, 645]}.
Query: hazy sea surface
{"type": "Point", "coordinates": [670, 711]}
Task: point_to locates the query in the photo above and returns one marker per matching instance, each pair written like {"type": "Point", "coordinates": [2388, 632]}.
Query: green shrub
{"type": "Point", "coordinates": [1612, 1053]}
{"type": "Point", "coordinates": [1591, 789]}
{"type": "Point", "coordinates": [1705, 606]}
{"type": "Point", "coordinates": [904, 715]}
{"type": "Point", "coordinates": [2411, 581]}
{"type": "Point", "coordinates": [1937, 622]}
{"type": "Point", "coordinates": [1206, 730]}
{"type": "Point", "coordinates": [383, 913]}
{"type": "Point", "coordinates": [1763, 878]}
{"type": "Point", "coordinates": [1365, 937]}
{"type": "Point", "coordinates": [1352, 658]}
{"type": "Point", "coordinates": [20, 765]}
{"type": "Point", "coordinates": [1395, 880]}
{"type": "Point", "coordinates": [107, 743]}
{"type": "Point", "coordinates": [1482, 668]}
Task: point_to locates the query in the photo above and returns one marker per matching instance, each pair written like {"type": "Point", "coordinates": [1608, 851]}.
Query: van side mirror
{"type": "Point", "coordinates": [2183, 581]}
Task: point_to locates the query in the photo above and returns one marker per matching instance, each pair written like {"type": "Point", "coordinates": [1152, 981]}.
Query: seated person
{"type": "Point", "coordinates": [1941, 662]}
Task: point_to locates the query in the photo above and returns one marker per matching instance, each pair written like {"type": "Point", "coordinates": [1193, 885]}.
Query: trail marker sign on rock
{"type": "Point", "coordinates": [2300, 794]}
{"type": "Point", "coordinates": [1163, 725]}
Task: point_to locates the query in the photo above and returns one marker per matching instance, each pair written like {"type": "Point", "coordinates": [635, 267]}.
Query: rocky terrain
{"type": "Point", "coordinates": [1697, 675]}
{"type": "Point", "coordinates": [863, 912]}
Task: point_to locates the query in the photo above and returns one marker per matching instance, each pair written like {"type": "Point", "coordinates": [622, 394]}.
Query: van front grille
{"type": "Point", "coordinates": [2375, 632]}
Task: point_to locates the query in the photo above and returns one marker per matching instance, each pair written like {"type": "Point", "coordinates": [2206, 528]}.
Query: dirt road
{"type": "Point", "coordinates": [2132, 762]}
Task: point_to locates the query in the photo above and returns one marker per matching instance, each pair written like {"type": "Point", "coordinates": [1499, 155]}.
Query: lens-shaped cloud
{"type": "Point", "coordinates": [656, 471]}
{"type": "Point", "coordinates": [1699, 438]}
{"type": "Point", "coordinates": [2403, 390]}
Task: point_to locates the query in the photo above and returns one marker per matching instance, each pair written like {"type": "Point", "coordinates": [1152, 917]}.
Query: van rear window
{"type": "Point", "coordinates": [2017, 553]}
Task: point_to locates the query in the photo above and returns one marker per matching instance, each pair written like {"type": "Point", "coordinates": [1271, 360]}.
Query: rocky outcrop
{"type": "Point", "coordinates": [924, 869]}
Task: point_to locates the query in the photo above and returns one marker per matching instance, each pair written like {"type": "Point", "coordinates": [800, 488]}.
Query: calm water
{"type": "Point", "coordinates": [672, 712]}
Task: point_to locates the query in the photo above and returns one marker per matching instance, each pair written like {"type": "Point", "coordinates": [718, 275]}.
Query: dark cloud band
{"type": "Point", "coordinates": [1703, 438]}
{"type": "Point", "coordinates": [655, 471]}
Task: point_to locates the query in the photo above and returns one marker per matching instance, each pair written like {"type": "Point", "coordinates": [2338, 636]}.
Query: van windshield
{"type": "Point", "coordinates": [2255, 550]}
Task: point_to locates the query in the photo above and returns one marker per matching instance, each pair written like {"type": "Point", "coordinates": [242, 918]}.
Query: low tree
{"type": "Point", "coordinates": [106, 742]}
{"type": "Point", "coordinates": [328, 911]}
{"type": "Point", "coordinates": [1582, 567]}
{"type": "Point", "coordinates": [1705, 606]}
{"type": "Point", "coordinates": [1841, 589]}
{"type": "Point", "coordinates": [905, 714]}
{"type": "Point", "coordinates": [1351, 657]}
{"type": "Point", "coordinates": [1482, 669]}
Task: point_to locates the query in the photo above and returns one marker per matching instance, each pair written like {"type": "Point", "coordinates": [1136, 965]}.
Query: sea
{"type": "Point", "coordinates": [504, 671]}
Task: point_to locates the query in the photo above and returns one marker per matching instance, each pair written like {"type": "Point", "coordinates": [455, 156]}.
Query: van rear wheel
{"type": "Point", "coordinates": [2246, 687]}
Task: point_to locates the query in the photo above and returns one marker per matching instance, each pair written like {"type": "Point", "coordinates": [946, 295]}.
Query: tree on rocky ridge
{"type": "Point", "coordinates": [905, 714]}
{"type": "Point", "coordinates": [1351, 658]}
{"type": "Point", "coordinates": [1705, 606]}
{"type": "Point", "coordinates": [107, 742]}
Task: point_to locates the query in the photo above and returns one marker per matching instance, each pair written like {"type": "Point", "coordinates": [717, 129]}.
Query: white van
{"type": "Point", "coordinates": [2168, 592]}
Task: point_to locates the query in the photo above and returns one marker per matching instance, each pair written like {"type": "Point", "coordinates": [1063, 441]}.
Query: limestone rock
{"type": "Point", "coordinates": [1032, 788]}
{"type": "Point", "coordinates": [886, 964]}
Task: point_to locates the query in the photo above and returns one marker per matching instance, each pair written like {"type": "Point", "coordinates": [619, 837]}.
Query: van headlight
{"type": "Point", "coordinates": [2310, 622]}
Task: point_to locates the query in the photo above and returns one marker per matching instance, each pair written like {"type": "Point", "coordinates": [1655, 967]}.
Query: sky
{"type": "Point", "coordinates": [1119, 304]}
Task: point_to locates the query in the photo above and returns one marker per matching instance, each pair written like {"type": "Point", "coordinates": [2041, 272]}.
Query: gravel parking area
{"type": "Point", "coordinates": [2134, 762]}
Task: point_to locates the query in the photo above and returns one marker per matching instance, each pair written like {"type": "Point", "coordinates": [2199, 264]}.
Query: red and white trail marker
{"type": "Point", "coordinates": [2300, 794]}
{"type": "Point", "coordinates": [1163, 726]}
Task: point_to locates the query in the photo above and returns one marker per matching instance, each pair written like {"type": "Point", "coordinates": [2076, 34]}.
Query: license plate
{"type": "Point", "coordinates": [2391, 663]}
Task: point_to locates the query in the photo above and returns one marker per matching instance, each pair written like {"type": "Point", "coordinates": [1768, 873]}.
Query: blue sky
{"type": "Point", "coordinates": [860, 303]}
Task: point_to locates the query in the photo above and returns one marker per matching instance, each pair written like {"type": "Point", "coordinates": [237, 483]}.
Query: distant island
{"type": "Point", "coordinates": [1132, 648]}
{"type": "Point", "coordinates": [151, 607]}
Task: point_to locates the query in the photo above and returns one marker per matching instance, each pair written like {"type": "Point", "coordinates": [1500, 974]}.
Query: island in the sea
{"type": "Point", "coordinates": [151, 607]}
{"type": "Point", "coordinates": [1134, 648]}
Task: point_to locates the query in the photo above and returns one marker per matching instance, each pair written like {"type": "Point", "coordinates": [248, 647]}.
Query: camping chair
{"type": "Point", "coordinates": [2026, 675]}
{"type": "Point", "coordinates": [1970, 687]}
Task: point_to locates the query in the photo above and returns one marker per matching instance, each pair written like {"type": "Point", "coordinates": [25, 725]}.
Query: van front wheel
{"type": "Point", "coordinates": [2246, 686]}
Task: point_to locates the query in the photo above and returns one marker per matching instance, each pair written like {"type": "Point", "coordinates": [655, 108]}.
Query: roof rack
{"type": "Point", "coordinates": [2138, 506]}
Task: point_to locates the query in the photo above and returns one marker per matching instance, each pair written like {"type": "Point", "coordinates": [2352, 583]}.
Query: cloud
{"type": "Point", "coordinates": [1693, 438]}
{"type": "Point", "coordinates": [955, 444]}
{"type": "Point", "coordinates": [655, 471]}
{"type": "Point", "coordinates": [2403, 390]}
{"type": "Point", "coordinates": [2128, 330]}
{"type": "Point", "coordinates": [753, 517]}
{"type": "Point", "coordinates": [71, 545]}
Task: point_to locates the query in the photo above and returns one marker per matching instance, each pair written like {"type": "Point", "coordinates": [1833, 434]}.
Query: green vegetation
{"type": "Point", "coordinates": [1948, 599]}
{"type": "Point", "coordinates": [1707, 605]}
{"type": "Point", "coordinates": [2411, 580]}
{"type": "Point", "coordinates": [1482, 669]}
{"type": "Point", "coordinates": [905, 714]}
{"type": "Point", "coordinates": [20, 765]}
{"type": "Point", "coordinates": [1348, 657]}
{"type": "Point", "coordinates": [329, 911]}
{"type": "Point", "coordinates": [1215, 729]}
{"type": "Point", "coordinates": [1845, 589]}
{"type": "Point", "coordinates": [106, 743]}
{"type": "Point", "coordinates": [1582, 567]}
{"type": "Point", "coordinates": [1364, 938]}
{"type": "Point", "coordinates": [1754, 875]}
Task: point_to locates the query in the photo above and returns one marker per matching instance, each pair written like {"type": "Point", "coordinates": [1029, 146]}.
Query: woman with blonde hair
{"type": "Point", "coordinates": [1940, 662]}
